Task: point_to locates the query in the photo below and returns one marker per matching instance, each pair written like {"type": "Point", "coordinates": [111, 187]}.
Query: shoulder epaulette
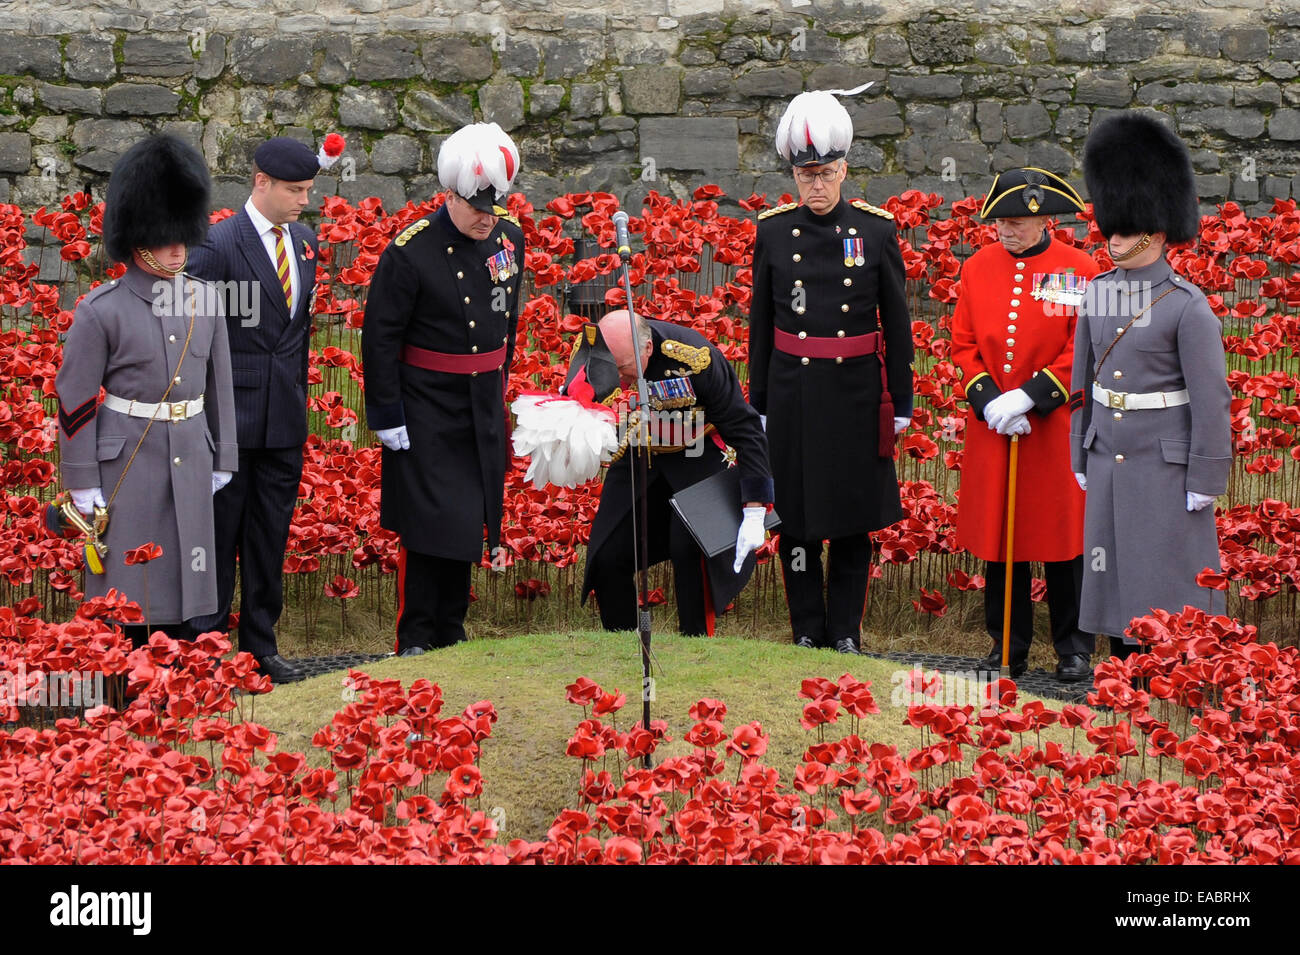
{"type": "Point", "coordinates": [697, 358]}
{"type": "Point", "coordinates": [868, 207]}
{"type": "Point", "coordinates": [410, 231]}
{"type": "Point", "coordinates": [778, 210]}
{"type": "Point", "coordinates": [507, 217]}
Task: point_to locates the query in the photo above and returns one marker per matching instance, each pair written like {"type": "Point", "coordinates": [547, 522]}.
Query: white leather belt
{"type": "Point", "coordinates": [1125, 401]}
{"type": "Point", "coordinates": [159, 410]}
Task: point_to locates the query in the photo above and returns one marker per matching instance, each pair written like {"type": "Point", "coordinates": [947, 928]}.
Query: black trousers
{"type": "Point", "coordinates": [1064, 582]}
{"type": "Point", "coordinates": [839, 615]}
{"type": "Point", "coordinates": [615, 567]}
{"type": "Point", "coordinates": [433, 598]}
{"type": "Point", "coordinates": [253, 513]}
{"type": "Point", "coordinates": [139, 634]}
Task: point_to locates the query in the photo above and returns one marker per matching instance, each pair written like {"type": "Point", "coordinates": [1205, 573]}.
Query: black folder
{"type": "Point", "coordinates": [712, 511]}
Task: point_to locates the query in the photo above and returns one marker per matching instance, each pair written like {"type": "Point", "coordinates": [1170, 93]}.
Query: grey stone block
{"type": "Point", "coordinates": [1238, 123]}
{"type": "Point", "coordinates": [1201, 37]}
{"type": "Point", "coordinates": [70, 99]}
{"type": "Point", "coordinates": [385, 58]}
{"type": "Point", "coordinates": [1103, 88]}
{"type": "Point", "coordinates": [1205, 160]}
{"type": "Point", "coordinates": [1196, 94]}
{"type": "Point", "coordinates": [1244, 43]}
{"type": "Point", "coordinates": [933, 86]}
{"type": "Point", "coordinates": [945, 42]}
{"type": "Point", "coordinates": [336, 59]}
{"type": "Point", "coordinates": [880, 188]}
{"type": "Point", "coordinates": [157, 56]}
{"type": "Point", "coordinates": [1053, 89]}
{"type": "Point", "coordinates": [366, 108]}
{"type": "Point", "coordinates": [1080, 44]}
{"type": "Point", "coordinates": [737, 50]}
{"type": "Point", "coordinates": [569, 56]}
{"type": "Point", "coordinates": [1046, 155]}
{"type": "Point", "coordinates": [1008, 156]}
{"type": "Point", "coordinates": [544, 99]}
{"type": "Point", "coordinates": [846, 76]}
{"type": "Point", "coordinates": [586, 99]}
{"type": "Point", "coordinates": [1244, 190]}
{"type": "Point", "coordinates": [1072, 122]}
{"type": "Point", "coordinates": [90, 59]}
{"type": "Point", "coordinates": [992, 48]}
{"type": "Point", "coordinates": [988, 115]}
{"type": "Point", "coordinates": [428, 112]}
{"type": "Point", "coordinates": [865, 155]}
{"type": "Point", "coordinates": [878, 117]}
{"type": "Point", "coordinates": [1277, 187]}
{"type": "Point", "coordinates": [140, 99]}
{"type": "Point", "coordinates": [1262, 94]}
{"type": "Point", "coordinates": [521, 57]}
{"type": "Point", "coordinates": [926, 120]}
{"type": "Point", "coordinates": [502, 103]}
{"type": "Point", "coordinates": [48, 129]}
{"type": "Point", "coordinates": [100, 142]}
{"type": "Point", "coordinates": [269, 60]}
{"type": "Point", "coordinates": [1027, 120]}
{"type": "Point", "coordinates": [696, 56]}
{"type": "Point", "coordinates": [710, 83]}
{"type": "Point", "coordinates": [253, 104]}
{"type": "Point", "coordinates": [36, 56]}
{"type": "Point", "coordinates": [770, 81]}
{"type": "Point", "coordinates": [1284, 125]}
{"type": "Point", "coordinates": [449, 59]}
{"type": "Point", "coordinates": [1212, 186]}
{"type": "Point", "coordinates": [396, 153]}
{"type": "Point", "coordinates": [1286, 44]}
{"type": "Point", "coordinates": [15, 152]}
{"type": "Point", "coordinates": [1126, 43]}
{"type": "Point", "coordinates": [704, 144]}
{"type": "Point", "coordinates": [890, 49]}
{"type": "Point", "coordinates": [213, 58]}
{"type": "Point", "coordinates": [652, 89]}
{"type": "Point", "coordinates": [390, 190]}
{"type": "Point", "coordinates": [617, 124]}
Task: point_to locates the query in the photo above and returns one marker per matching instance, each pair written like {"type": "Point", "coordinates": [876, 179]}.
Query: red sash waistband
{"type": "Point", "coordinates": [458, 364]}
{"type": "Point", "coordinates": [851, 347]}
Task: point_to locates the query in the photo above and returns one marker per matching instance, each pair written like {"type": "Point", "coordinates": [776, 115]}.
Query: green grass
{"type": "Point", "coordinates": [528, 777]}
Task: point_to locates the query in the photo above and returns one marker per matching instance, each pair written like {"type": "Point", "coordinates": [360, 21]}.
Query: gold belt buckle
{"type": "Point", "coordinates": [178, 411]}
{"type": "Point", "coordinates": [1116, 400]}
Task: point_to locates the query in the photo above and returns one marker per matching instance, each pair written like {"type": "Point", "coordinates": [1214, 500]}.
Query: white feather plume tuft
{"type": "Point", "coordinates": [475, 157]}
{"type": "Point", "coordinates": [565, 439]}
{"type": "Point", "coordinates": [818, 118]}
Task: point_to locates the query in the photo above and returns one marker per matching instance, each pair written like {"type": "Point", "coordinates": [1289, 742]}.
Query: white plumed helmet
{"type": "Point", "coordinates": [816, 128]}
{"type": "Point", "coordinates": [479, 163]}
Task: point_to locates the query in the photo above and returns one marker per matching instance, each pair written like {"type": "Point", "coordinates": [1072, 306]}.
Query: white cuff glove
{"type": "Point", "coordinates": [1005, 406]}
{"type": "Point", "coordinates": [220, 479]}
{"type": "Point", "coordinates": [900, 425]}
{"type": "Point", "coordinates": [751, 535]}
{"type": "Point", "coordinates": [395, 439]}
{"type": "Point", "coordinates": [1198, 502]}
{"type": "Point", "coordinates": [763, 421]}
{"type": "Point", "coordinates": [1016, 424]}
{"type": "Point", "coordinates": [87, 499]}
{"type": "Point", "coordinates": [1082, 479]}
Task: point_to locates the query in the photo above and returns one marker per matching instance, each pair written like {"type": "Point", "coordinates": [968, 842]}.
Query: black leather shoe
{"type": "Point", "coordinates": [1074, 667]}
{"type": "Point", "coordinates": [412, 651]}
{"type": "Point", "coordinates": [805, 642]}
{"type": "Point", "coordinates": [846, 645]}
{"type": "Point", "coordinates": [993, 664]}
{"type": "Point", "coordinates": [279, 669]}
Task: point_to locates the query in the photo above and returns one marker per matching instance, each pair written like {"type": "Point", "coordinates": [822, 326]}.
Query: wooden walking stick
{"type": "Point", "coordinates": [1005, 673]}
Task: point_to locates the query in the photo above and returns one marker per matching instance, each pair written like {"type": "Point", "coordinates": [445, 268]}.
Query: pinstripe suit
{"type": "Point", "coordinates": [268, 358]}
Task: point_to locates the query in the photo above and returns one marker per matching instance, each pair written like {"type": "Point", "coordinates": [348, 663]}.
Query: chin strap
{"type": "Point", "coordinates": [1137, 248]}
{"type": "Point", "coordinates": [148, 258]}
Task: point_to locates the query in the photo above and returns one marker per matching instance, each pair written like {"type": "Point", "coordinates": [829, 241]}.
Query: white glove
{"type": "Point", "coordinates": [220, 479]}
{"type": "Point", "coordinates": [900, 425]}
{"type": "Point", "coordinates": [750, 537]}
{"type": "Point", "coordinates": [87, 499]}
{"type": "Point", "coordinates": [1016, 424]}
{"type": "Point", "coordinates": [1198, 502]}
{"type": "Point", "coordinates": [1005, 406]}
{"type": "Point", "coordinates": [763, 421]}
{"type": "Point", "coordinates": [395, 439]}
{"type": "Point", "coordinates": [1082, 479]}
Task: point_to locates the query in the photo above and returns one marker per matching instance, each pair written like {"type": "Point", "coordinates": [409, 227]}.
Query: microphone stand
{"type": "Point", "coordinates": [640, 472]}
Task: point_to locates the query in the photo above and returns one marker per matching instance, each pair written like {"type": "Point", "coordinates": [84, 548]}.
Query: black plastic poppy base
{"type": "Point", "coordinates": [1038, 682]}
{"type": "Point", "coordinates": [315, 666]}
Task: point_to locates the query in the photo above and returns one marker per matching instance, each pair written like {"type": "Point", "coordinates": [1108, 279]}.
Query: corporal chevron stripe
{"type": "Point", "coordinates": [282, 265]}
{"type": "Point", "coordinates": [76, 419]}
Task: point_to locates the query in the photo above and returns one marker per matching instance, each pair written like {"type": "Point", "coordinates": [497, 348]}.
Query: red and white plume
{"type": "Point", "coordinates": [478, 156]}
{"type": "Point", "coordinates": [330, 150]}
{"type": "Point", "coordinates": [566, 440]}
{"type": "Point", "coordinates": [817, 119]}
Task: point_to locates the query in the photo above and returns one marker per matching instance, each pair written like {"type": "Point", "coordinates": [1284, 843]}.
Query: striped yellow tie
{"type": "Point", "coordinates": [282, 265]}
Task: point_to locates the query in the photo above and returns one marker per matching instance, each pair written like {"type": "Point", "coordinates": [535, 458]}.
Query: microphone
{"type": "Point", "coordinates": [620, 227]}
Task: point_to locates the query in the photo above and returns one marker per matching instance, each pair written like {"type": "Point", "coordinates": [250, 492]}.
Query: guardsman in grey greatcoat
{"type": "Point", "coordinates": [1150, 437]}
{"type": "Point", "coordinates": [830, 369]}
{"type": "Point", "coordinates": [163, 440]}
{"type": "Point", "coordinates": [439, 335]}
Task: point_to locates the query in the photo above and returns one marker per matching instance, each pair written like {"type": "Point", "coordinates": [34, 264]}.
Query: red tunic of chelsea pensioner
{"type": "Point", "coordinates": [1003, 338]}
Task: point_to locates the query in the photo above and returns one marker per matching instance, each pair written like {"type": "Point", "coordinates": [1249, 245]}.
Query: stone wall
{"type": "Point", "coordinates": [664, 94]}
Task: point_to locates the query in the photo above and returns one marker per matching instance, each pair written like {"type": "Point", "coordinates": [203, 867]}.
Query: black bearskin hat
{"type": "Point", "coordinates": [158, 194]}
{"type": "Point", "coordinates": [1140, 179]}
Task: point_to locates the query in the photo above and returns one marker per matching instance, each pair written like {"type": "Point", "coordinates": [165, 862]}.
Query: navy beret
{"type": "Point", "coordinates": [288, 159]}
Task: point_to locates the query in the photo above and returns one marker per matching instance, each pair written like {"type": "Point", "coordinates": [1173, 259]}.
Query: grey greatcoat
{"type": "Point", "coordinates": [118, 342]}
{"type": "Point", "coordinates": [1142, 549]}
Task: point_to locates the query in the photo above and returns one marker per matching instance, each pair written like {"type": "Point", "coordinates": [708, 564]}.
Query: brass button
{"type": "Point", "coordinates": [803, 334]}
{"type": "Point", "coordinates": [1119, 331]}
{"type": "Point", "coordinates": [800, 310]}
{"type": "Point", "coordinates": [1117, 374]}
{"type": "Point", "coordinates": [1012, 315]}
{"type": "Point", "coordinates": [176, 380]}
{"type": "Point", "coordinates": [1016, 290]}
{"type": "Point", "coordinates": [176, 461]}
{"type": "Point", "coordinates": [471, 324]}
{"type": "Point", "coordinates": [853, 231]}
{"type": "Point", "coordinates": [979, 387]}
{"type": "Point", "coordinates": [466, 299]}
{"type": "Point", "coordinates": [1015, 301]}
{"type": "Point", "coordinates": [1011, 329]}
{"type": "Point", "coordinates": [171, 338]}
{"type": "Point", "coordinates": [840, 333]}
{"type": "Point", "coordinates": [1056, 394]}
{"type": "Point", "coordinates": [504, 339]}
{"type": "Point", "coordinates": [1010, 355]}
{"type": "Point", "coordinates": [474, 349]}
{"type": "Point", "coordinates": [473, 374]}
{"type": "Point", "coordinates": [798, 283]}
{"type": "Point", "coordinates": [449, 250]}
{"type": "Point", "coordinates": [848, 281]}
{"type": "Point", "coordinates": [1118, 416]}
{"type": "Point", "coordinates": [794, 232]}
{"type": "Point", "coordinates": [1011, 341]}
{"type": "Point", "coordinates": [803, 361]}
{"type": "Point", "coordinates": [839, 361]}
{"type": "Point", "coordinates": [1006, 367]}
{"type": "Point", "coordinates": [460, 275]}
{"type": "Point", "coordinates": [510, 288]}
{"type": "Point", "coordinates": [1020, 265]}
{"type": "Point", "coordinates": [844, 307]}
{"type": "Point", "coordinates": [1119, 459]}
{"type": "Point", "coordinates": [797, 257]}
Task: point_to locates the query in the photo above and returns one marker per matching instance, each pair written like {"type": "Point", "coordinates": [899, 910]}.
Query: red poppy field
{"type": "Point", "coordinates": [1200, 764]}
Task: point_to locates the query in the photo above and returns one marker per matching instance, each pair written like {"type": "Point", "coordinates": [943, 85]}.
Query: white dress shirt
{"type": "Point", "coordinates": [263, 226]}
